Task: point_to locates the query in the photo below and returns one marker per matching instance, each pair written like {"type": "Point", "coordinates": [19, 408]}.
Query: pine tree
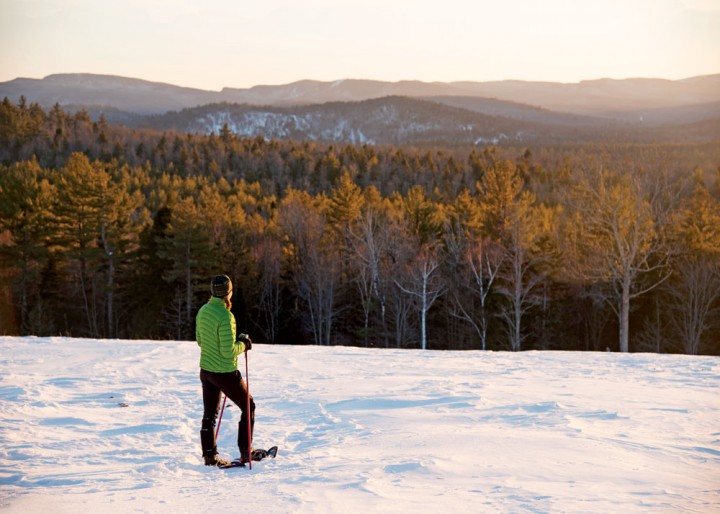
{"type": "Point", "coordinates": [186, 246]}
{"type": "Point", "coordinates": [148, 294]}
{"type": "Point", "coordinates": [27, 198]}
{"type": "Point", "coordinates": [92, 230]}
{"type": "Point", "coordinates": [519, 226]}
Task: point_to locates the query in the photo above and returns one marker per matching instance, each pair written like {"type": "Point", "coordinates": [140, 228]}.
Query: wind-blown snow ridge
{"type": "Point", "coordinates": [112, 426]}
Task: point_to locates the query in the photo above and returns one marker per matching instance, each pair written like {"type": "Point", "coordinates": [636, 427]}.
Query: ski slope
{"type": "Point", "coordinates": [113, 427]}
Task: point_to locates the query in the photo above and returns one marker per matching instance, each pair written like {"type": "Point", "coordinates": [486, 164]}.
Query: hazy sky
{"type": "Point", "coordinates": [210, 44]}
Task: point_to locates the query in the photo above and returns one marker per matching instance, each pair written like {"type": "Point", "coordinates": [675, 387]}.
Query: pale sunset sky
{"type": "Point", "coordinates": [211, 44]}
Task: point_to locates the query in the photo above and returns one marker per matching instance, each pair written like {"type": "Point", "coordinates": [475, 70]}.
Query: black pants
{"type": "Point", "coordinates": [232, 384]}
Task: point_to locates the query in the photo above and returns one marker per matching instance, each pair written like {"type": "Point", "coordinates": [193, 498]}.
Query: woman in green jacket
{"type": "Point", "coordinates": [219, 350]}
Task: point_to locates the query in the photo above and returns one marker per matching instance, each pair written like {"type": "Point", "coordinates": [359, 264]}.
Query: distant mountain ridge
{"type": "Point", "coordinates": [402, 120]}
{"type": "Point", "coordinates": [125, 94]}
{"type": "Point", "coordinates": [406, 112]}
{"type": "Point", "coordinates": [591, 97]}
{"type": "Point", "coordinates": [391, 120]}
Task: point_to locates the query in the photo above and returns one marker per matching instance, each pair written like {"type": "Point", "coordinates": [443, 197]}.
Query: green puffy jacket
{"type": "Point", "coordinates": [215, 334]}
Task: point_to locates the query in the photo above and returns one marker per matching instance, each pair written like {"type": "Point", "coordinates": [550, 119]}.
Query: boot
{"type": "Point", "coordinates": [214, 460]}
{"type": "Point", "coordinates": [209, 448]}
{"type": "Point", "coordinates": [245, 452]}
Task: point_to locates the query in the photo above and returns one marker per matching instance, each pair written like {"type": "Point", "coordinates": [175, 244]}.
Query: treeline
{"type": "Point", "coordinates": [112, 232]}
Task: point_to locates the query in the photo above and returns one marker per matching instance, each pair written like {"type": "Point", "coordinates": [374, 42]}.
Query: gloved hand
{"type": "Point", "coordinates": [245, 339]}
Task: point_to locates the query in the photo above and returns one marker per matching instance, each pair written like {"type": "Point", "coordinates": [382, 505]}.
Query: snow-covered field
{"type": "Point", "coordinates": [112, 426]}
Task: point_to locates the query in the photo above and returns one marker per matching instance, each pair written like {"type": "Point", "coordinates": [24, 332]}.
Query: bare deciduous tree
{"type": "Point", "coordinates": [519, 276]}
{"type": "Point", "coordinates": [693, 295]}
{"type": "Point", "coordinates": [480, 262]}
{"type": "Point", "coordinates": [617, 241]}
{"type": "Point", "coordinates": [268, 255]}
{"type": "Point", "coordinates": [371, 245]}
{"type": "Point", "coordinates": [423, 284]}
{"type": "Point", "coordinates": [316, 266]}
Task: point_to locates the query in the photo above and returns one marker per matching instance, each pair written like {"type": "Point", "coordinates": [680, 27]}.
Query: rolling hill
{"type": "Point", "coordinates": [406, 112]}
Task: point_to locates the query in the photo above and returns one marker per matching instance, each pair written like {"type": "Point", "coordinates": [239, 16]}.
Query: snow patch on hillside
{"type": "Point", "coordinates": [272, 125]}
{"type": "Point", "coordinates": [385, 123]}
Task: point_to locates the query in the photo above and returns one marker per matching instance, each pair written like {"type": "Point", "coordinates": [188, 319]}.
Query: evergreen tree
{"type": "Point", "coordinates": [187, 248]}
{"type": "Point", "coordinates": [520, 227]}
{"type": "Point", "coordinates": [148, 294]}
{"type": "Point", "coordinates": [27, 198]}
{"type": "Point", "coordinates": [92, 229]}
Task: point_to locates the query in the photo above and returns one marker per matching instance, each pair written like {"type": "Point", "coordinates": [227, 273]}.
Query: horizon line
{"type": "Point", "coordinates": [401, 81]}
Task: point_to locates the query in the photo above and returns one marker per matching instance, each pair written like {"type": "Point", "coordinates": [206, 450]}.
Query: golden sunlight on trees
{"type": "Point", "coordinates": [616, 241]}
{"type": "Point", "coordinates": [316, 266]}
{"type": "Point", "coordinates": [112, 232]}
{"type": "Point", "coordinates": [694, 287]}
{"type": "Point", "coordinates": [520, 226]}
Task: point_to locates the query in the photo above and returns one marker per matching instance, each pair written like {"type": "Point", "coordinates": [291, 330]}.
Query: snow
{"type": "Point", "coordinates": [250, 124]}
{"type": "Point", "coordinates": [278, 125]}
{"type": "Point", "coordinates": [113, 426]}
{"type": "Point", "coordinates": [495, 139]}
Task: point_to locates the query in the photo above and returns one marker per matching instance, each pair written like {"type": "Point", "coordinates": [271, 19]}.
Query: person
{"type": "Point", "coordinates": [219, 350]}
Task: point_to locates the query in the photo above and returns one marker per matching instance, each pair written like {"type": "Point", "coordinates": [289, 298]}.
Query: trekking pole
{"type": "Point", "coordinates": [217, 429]}
{"type": "Point", "coordinates": [247, 407]}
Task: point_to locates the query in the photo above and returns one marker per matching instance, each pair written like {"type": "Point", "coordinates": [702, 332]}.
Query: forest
{"type": "Point", "coordinates": [113, 232]}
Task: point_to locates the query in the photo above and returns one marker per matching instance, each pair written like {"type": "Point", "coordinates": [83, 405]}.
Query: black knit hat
{"type": "Point", "coordinates": [221, 286]}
